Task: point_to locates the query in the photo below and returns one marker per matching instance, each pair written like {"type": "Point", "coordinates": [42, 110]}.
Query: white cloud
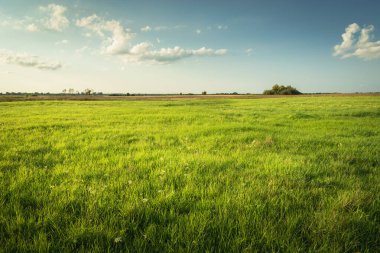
{"type": "Point", "coordinates": [57, 20]}
{"type": "Point", "coordinates": [142, 53]}
{"type": "Point", "coordinates": [208, 52]}
{"type": "Point", "coordinates": [198, 31]}
{"type": "Point", "coordinates": [348, 40]}
{"type": "Point", "coordinates": [140, 48]}
{"type": "Point", "coordinates": [146, 29]}
{"type": "Point", "coordinates": [218, 27]}
{"type": "Point", "coordinates": [14, 23]}
{"type": "Point", "coordinates": [26, 60]}
{"type": "Point", "coordinates": [166, 28]}
{"type": "Point", "coordinates": [355, 44]}
{"type": "Point", "coordinates": [249, 51]}
{"type": "Point", "coordinates": [92, 22]}
{"type": "Point", "coordinates": [161, 28]}
{"type": "Point", "coordinates": [62, 42]}
{"type": "Point", "coordinates": [32, 28]}
{"type": "Point", "coordinates": [117, 41]}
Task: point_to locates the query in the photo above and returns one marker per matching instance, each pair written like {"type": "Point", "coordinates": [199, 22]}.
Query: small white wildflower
{"type": "Point", "coordinates": [118, 239]}
{"type": "Point", "coordinates": [144, 200]}
{"type": "Point", "coordinates": [129, 181]}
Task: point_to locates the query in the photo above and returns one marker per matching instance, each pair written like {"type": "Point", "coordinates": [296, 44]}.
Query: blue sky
{"type": "Point", "coordinates": [189, 46]}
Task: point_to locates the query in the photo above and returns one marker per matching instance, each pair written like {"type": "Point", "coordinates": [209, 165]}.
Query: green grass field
{"type": "Point", "coordinates": [227, 175]}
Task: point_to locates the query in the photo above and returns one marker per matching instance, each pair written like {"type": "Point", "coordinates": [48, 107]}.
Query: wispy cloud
{"type": "Point", "coordinates": [358, 42]}
{"type": "Point", "coordinates": [53, 19]}
{"type": "Point", "coordinates": [216, 27]}
{"type": "Point", "coordinates": [222, 27]}
{"type": "Point", "coordinates": [17, 23]}
{"type": "Point", "coordinates": [62, 42]}
{"type": "Point", "coordinates": [27, 60]}
{"type": "Point", "coordinates": [146, 29]}
{"type": "Point", "coordinates": [143, 53]}
{"type": "Point", "coordinates": [117, 41]}
{"type": "Point", "coordinates": [161, 28]}
{"type": "Point", "coordinates": [32, 28]}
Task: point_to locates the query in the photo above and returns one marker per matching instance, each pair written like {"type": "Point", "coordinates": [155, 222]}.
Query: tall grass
{"type": "Point", "coordinates": [284, 174]}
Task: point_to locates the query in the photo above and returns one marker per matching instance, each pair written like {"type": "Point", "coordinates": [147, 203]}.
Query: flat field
{"type": "Point", "coordinates": [228, 175]}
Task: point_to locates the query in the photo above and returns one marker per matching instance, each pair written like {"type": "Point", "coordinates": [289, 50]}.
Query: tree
{"type": "Point", "coordinates": [276, 88]}
{"type": "Point", "coordinates": [88, 91]}
{"type": "Point", "coordinates": [204, 92]}
{"type": "Point", "coordinates": [282, 90]}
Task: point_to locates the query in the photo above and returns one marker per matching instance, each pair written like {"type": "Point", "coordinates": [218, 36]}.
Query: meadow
{"type": "Point", "coordinates": [299, 174]}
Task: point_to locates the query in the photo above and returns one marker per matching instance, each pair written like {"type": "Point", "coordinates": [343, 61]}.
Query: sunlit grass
{"type": "Point", "coordinates": [284, 174]}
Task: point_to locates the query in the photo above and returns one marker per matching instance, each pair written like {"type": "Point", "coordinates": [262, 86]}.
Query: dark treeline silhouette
{"type": "Point", "coordinates": [282, 90]}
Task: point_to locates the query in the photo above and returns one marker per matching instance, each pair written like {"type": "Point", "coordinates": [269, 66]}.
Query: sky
{"type": "Point", "coordinates": [189, 46]}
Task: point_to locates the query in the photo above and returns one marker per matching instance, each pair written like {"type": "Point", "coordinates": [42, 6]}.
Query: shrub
{"type": "Point", "coordinates": [282, 90]}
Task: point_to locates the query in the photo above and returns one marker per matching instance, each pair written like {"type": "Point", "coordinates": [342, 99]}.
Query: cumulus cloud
{"type": "Point", "coordinates": [57, 20]}
{"type": "Point", "coordinates": [116, 37]}
{"type": "Point", "coordinates": [26, 60]}
{"type": "Point", "coordinates": [358, 42]}
{"type": "Point", "coordinates": [143, 53]}
{"type": "Point", "coordinates": [348, 40]}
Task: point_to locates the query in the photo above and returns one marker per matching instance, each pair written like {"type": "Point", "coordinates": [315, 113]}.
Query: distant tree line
{"type": "Point", "coordinates": [282, 90]}
{"type": "Point", "coordinates": [76, 92]}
